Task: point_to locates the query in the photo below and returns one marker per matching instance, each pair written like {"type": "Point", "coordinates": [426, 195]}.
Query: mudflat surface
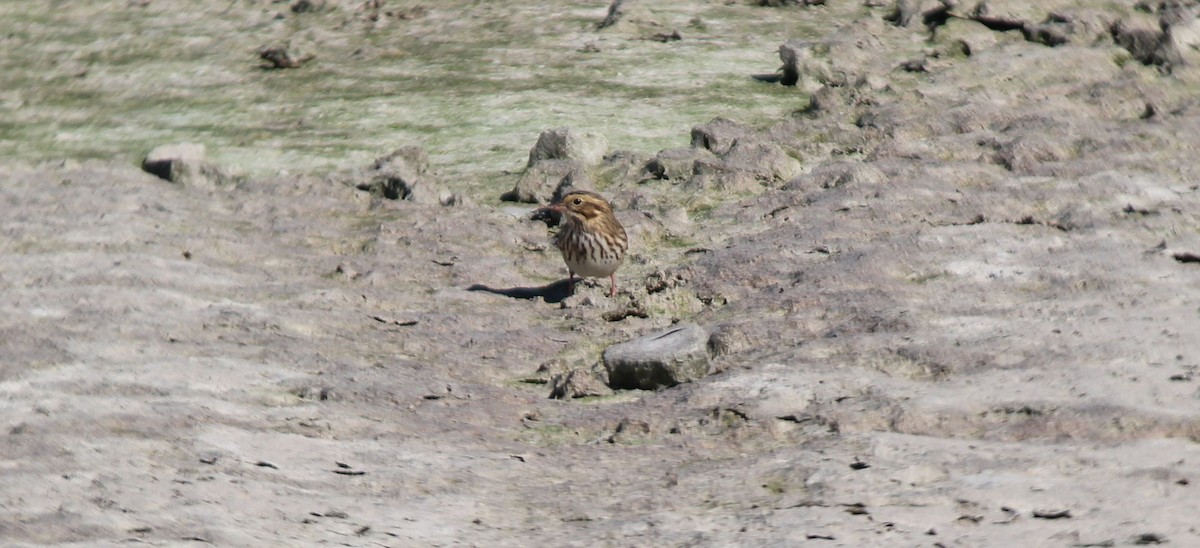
{"type": "Point", "coordinates": [950, 278]}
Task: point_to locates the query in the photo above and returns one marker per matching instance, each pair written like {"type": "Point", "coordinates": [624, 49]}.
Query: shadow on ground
{"type": "Point", "coordinates": [551, 293]}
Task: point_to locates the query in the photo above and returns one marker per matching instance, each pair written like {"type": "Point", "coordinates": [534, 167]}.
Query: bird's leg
{"type": "Point", "coordinates": [612, 289]}
{"type": "Point", "coordinates": [570, 282]}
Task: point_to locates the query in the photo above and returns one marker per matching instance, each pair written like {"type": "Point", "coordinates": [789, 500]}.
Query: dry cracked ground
{"type": "Point", "coordinates": [948, 277]}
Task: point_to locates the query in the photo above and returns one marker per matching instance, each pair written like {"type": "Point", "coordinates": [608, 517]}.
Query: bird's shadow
{"type": "Point", "coordinates": [551, 293]}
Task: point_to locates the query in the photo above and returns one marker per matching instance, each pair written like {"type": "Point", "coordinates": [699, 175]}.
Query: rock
{"type": "Point", "coordinates": [832, 100]}
{"type": "Point", "coordinates": [628, 431]}
{"type": "Point", "coordinates": [916, 64]}
{"type": "Point", "coordinates": [767, 160]}
{"type": "Point", "coordinates": [745, 166]}
{"type": "Point", "coordinates": [664, 37]}
{"type": "Point", "coordinates": [721, 176]}
{"type": "Point", "coordinates": [1024, 154]}
{"type": "Point", "coordinates": [578, 383]}
{"type": "Point", "coordinates": [1006, 15]}
{"type": "Point", "coordinates": [307, 6]}
{"type": "Point", "coordinates": [1142, 38]}
{"type": "Point", "coordinates": [164, 159]}
{"type": "Point", "coordinates": [662, 280]}
{"type": "Point", "coordinates": [1147, 538]}
{"type": "Point", "coordinates": [573, 180]}
{"type": "Point", "coordinates": [730, 338]}
{"type": "Point", "coordinates": [1182, 39]}
{"type": "Point", "coordinates": [718, 135]}
{"type": "Point", "coordinates": [408, 159]}
{"type": "Point", "coordinates": [1178, 12]}
{"type": "Point", "coordinates": [906, 12]}
{"type": "Point", "coordinates": [184, 163]}
{"type": "Point", "coordinates": [660, 360]}
{"type": "Point", "coordinates": [1048, 34]}
{"type": "Point", "coordinates": [964, 36]}
{"type": "Point", "coordinates": [450, 199]}
{"type": "Point", "coordinates": [283, 57]}
{"type": "Point", "coordinates": [542, 182]}
{"type": "Point", "coordinates": [1085, 25]}
{"type": "Point", "coordinates": [567, 144]}
{"type": "Point", "coordinates": [871, 82]}
{"type": "Point", "coordinates": [558, 161]}
{"type": "Point", "coordinates": [1079, 25]}
{"type": "Point", "coordinates": [623, 166]}
{"type": "Point", "coordinates": [401, 175]}
{"type": "Point", "coordinates": [838, 60]}
{"type": "Point", "coordinates": [832, 175]}
{"type": "Point", "coordinates": [675, 163]}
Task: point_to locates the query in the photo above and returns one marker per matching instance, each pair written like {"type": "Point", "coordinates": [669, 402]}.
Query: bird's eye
{"type": "Point", "coordinates": [578, 201]}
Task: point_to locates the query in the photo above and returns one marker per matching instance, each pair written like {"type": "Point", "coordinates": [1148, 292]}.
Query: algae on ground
{"type": "Point", "coordinates": [473, 83]}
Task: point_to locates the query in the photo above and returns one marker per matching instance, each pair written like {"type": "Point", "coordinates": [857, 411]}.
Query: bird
{"type": "Point", "coordinates": [592, 241]}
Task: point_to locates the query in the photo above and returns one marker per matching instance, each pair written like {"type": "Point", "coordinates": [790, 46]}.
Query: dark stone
{"type": "Point", "coordinates": [718, 135]}
{"type": "Point", "coordinates": [184, 163]}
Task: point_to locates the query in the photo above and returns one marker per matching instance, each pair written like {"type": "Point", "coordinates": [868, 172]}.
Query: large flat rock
{"type": "Point", "coordinates": [675, 355]}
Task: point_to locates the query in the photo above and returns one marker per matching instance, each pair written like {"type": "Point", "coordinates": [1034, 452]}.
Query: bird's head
{"type": "Point", "coordinates": [582, 205]}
